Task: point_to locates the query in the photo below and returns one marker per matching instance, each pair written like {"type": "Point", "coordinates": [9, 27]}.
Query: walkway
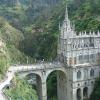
{"type": "Point", "coordinates": [3, 84]}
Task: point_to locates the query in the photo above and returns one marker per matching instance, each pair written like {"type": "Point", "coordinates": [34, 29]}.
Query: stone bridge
{"type": "Point", "coordinates": [42, 71]}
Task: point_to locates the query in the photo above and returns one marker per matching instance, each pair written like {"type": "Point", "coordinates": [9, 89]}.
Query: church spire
{"type": "Point", "coordinates": [67, 30]}
{"type": "Point", "coordinates": [66, 20]}
{"type": "Point", "coordinates": [66, 13]}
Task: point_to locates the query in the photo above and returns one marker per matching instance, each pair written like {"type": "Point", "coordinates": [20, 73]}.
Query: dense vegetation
{"type": "Point", "coordinates": [4, 62]}
{"type": "Point", "coordinates": [11, 38]}
{"type": "Point", "coordinates": [52, 86]}
{"type": "Point", "coordinates": [86, 14]}
{"type": "Point", "coordinates": [96, 91]}
{"type": "Point", "coordinates": [21, 90]}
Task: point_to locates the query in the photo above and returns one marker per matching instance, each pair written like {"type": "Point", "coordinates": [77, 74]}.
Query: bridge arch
{"type": "Point", "coordinates": [50, 71]}
{"type": "Point", "coordinates": [26, 73]}
{"type": "Point", "coordinates": [33, 76]}
{"type": "Point", "coordinates": [35, 79]}
{"type": "Point", "coordinates": [61, 83]}
{"type": "Point", "coordinates": [78, 94]}
{"type": "Point", "coordinates": [85, 93]}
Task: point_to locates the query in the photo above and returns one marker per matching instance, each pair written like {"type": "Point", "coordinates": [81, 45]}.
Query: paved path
{"type": "Point", "coordinates": [1, 96]}
{"type": "Point", "coordinates": [9, 76]}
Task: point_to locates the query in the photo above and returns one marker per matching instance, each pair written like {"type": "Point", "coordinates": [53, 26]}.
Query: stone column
{"type": "Point", "coordinates": [61, 86]}
{"type": "Point", "coordinates": [74, 94]}
{"type": "Point", "coordinates": [44, 90]}
{"type": "Point", "coordinates": [90, 89]}
{"type": "Point", "coordinates": [44, 86]}
{"type": "Point", "coordinates": [81, 93]}
{"type": "Point", "coordinates": [39, 87]}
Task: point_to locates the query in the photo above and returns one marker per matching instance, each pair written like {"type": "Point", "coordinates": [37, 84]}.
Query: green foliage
{"type": "Point", "coordinates": [2, 22]}
{"type": "Point", "coordinates": [87, 24]}
{"type": "Point", "coordinates": [43, 45]}
{"type": "Point", "coordinates": [52, 86]}
{"type": "Point", "coordinates": [12, 38]}
{"type": "Point", "coordinates": [21, 90]}
{"type": "Point", "coordinates": [4, 61]}
{"type": "Point", "coordinates": [3, 65]}
{"type": "Point", "coordinates": [86, 14]}
{"type": "Point", "coordinates": [96, 91]}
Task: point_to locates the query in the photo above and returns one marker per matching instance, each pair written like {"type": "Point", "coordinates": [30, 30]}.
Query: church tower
{"type": "Point", "coordinates": [66, 31]}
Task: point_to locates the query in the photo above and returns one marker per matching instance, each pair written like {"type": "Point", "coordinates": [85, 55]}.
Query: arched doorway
{"type": "Point", "coordinates": [35, 81]}
{"type": "Point", "coordinates": [78, 94]}
{"type": "Point", "coordinates": [56, 85]}
{"type": "Point", "coordinates": [85, 93]}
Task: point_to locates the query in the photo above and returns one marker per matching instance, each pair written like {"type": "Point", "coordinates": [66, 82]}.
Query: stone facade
{"type": "Point", "coordinates": [81, 54]}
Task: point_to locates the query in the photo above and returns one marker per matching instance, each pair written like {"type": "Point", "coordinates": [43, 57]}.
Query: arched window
{"type": "Point", "coordinates": [78, 94]}
{"type": "Point", "coordinates": [85, 93]}
{"type": "Point", "coordinates": [92, 72]}
{"type": "Point", "coordinates": [79, 74]}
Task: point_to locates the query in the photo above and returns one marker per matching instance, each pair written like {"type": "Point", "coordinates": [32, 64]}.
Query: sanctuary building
{"type": "Point", "coordinates": [81, 55]}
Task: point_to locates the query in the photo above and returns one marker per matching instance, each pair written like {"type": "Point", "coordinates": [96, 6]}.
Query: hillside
{"type": "Point", "coordinates": [21, 13]}
{"type": "Point", "coordinates": [12, 38]}
{"type": "Point", "coordinates": [4, 59]}
{"type": "Point", "coordinates": [86, 14]}
{"type": "Point", "coordinates": [16, 31]}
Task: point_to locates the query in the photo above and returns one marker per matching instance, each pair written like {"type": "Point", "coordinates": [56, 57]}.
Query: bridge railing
{"type": "Point", "coordinates": [5, 96]}
{"type": "Point", "coordinates": [41, 66]}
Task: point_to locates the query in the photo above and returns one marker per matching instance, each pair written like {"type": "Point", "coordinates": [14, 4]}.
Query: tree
{"type": "Point", "coordinates": [21, 90]}
{"type": "Point", "coordinates": [96, 91]}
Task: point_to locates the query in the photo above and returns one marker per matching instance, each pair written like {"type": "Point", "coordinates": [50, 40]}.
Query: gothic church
{"type": "Point", "coordinates": [81, 55]}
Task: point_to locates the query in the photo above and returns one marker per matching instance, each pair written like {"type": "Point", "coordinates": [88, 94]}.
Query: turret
{"type": "Point", "coordinates": [67, 30]}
